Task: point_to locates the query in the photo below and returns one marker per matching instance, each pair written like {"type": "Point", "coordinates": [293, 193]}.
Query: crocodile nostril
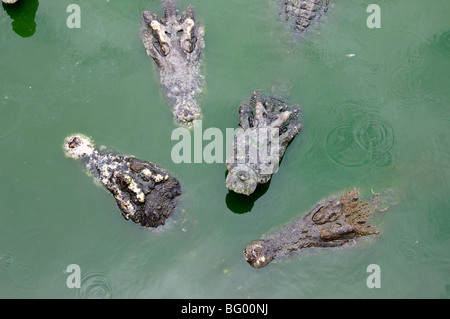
{"type": "Point", "coordinates": [243, 176]}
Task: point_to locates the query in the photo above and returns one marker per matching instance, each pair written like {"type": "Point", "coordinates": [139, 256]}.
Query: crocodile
{"type": "Point", "coordinates": [333, 222]}
{"type": "Point", "coordinates": [266, 127]}
{"type": "Point", "coordinates": [144, 192]}
{"type": "Point", "coordinates": [302, 13]}
{"type": "Point", "coordinates": [176, 43]}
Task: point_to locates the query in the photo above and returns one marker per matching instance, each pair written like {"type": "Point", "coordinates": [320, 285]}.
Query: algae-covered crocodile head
{"type": "Point", "coordinates": [78, 145]}
{"type": "Point", "coordinates": [176, 42]}
{"type": "Point", "coordinates": [144, 192]}
{"type": "Point", "coordinates": [266, 127]}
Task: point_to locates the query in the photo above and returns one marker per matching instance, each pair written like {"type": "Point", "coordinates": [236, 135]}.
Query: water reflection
{"type": "Point", "coordinates": [23, 14]}
{"type": "Point", "coordinates": [241, 204]}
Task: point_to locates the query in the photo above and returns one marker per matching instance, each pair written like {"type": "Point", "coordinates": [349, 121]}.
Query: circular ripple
{"type": "Point", "coordinates": [350, 111]}
{"type": "Point", "coordinates": [6, 261]}
{"type": "Point", "coordinates": [381, 160]}
{"type": "Point", "coordinates": [95, 285]}
{"type": "Point", "coordinates": [22, 276]}
{"type": "Point", "coordinates": [341, 147]}
{"type": "Point", "coordinates": [375, 137]}
{"type": "Point", "coordinates": [406, 83]}
{"type": "Point", "coordinates": [407, 248]}
{"type": "Point", "coordinates": [415, 60]}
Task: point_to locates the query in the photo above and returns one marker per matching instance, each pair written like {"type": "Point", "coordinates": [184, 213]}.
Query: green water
{"type": "Point", "coordinates": [377, 120]}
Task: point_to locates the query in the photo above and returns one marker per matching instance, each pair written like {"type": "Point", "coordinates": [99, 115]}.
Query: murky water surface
{"type": "Point", "coordinates": [376, 116]}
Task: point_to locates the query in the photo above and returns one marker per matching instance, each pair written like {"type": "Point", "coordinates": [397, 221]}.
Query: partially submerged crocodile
{"type": "Point", "coordinates": [266, 126]}
{"type": "Point", "coordinates": [144, 192]}
{"type": "Point", "coordinates": [302, 13]}
{"type": "Point", "coordinates": [333, 222]}
{"type": "Point", "coordinates": [176, 44]}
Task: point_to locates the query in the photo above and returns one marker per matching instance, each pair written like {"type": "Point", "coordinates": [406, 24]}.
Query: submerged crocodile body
{"type": "Point", "coordinates": [333, 222]}
{"type": "Point", "coordinates": [144, 192]}
{"type": "Point", "coordinates": [302, 13]}
{"type": "Point", "coordinates": [266, 126]}
{"type": "Point", "coordinates": [176, 44]}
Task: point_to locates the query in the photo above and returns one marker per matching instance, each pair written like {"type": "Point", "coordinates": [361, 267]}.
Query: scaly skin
{"type": "Point", "coordinates": [266, 127]}
{"type": "Point", "coordinates": [333, 222]}
{"type": "Point", "coordinates": [304, 12]}
{"type": "Point", "coordinates": [176, 44]}
{"type": "Point", "coordinates": [144, 192]}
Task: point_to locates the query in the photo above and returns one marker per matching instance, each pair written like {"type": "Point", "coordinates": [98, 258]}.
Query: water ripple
{"type": "Point", "coordinates": [356, 145]}
{"type": "Point", "coordinates": [444, 43]}
{"type": "Point", "coordinates": [375, 136]}
{"type": "Point", "coordinates": [95, 285]}
{"type": "Point", "coordinates": [341, 147]}
{"type": "Point", "coordinates": [406, 83]}
{"type": "Point", "coordinates": [351, 111]}
{"type": "Point", "coordinates": [22, 276]}
{"type": "Point", "coordinates": [6, 261]}
{"type": "Point", "coordinates": [407, 248]}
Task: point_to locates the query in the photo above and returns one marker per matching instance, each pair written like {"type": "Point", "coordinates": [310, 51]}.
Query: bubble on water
{"type": "Point", "coordinates": [95, 285]}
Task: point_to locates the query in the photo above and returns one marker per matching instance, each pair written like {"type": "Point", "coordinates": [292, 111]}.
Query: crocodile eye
{"type": "Point", "coordinates": [74, 142]}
